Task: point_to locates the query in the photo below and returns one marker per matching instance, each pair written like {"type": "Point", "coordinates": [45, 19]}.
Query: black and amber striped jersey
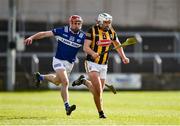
{"type": "Point", "coordinates": [101, 42]}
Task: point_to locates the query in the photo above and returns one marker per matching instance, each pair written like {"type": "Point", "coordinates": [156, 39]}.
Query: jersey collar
{"type": "Point", "coordinates": [72, 31]}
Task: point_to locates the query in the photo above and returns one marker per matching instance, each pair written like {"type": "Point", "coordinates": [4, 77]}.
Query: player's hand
{"type": "Point", "coordinates": [95, 55]}
{"type": "Point", "coordinates": [28, 41]}
{"type": "Point", "coordinates": [125, 60]}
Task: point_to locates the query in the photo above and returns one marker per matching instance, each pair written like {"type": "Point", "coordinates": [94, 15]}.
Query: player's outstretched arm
{"type": "Point", "coordinates": [121, 52]}
{"type": "Point", "coordinates": [38, 35]}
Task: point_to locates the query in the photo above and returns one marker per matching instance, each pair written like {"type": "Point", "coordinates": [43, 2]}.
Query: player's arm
{"type": "Point", "coordinates": [120, 51]}
{"type": "Point", "coordinates": [88, 50]}
{"type": "Point", "coordinates": [38, 35]}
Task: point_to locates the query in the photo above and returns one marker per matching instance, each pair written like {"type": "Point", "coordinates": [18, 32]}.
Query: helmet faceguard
{"type": "Point", "coordinates": [104, 17]}
{"type": "Point", "coordinates": [75, 19]}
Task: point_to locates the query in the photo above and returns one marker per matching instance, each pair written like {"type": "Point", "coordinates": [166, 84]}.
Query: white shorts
{"type": "Point", "coordinates": [62, 64]}
{"type": "Point", "coordinates": [101, 68]}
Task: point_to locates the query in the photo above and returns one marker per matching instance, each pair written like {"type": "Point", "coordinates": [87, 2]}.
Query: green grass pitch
{"type": "Point", "coordinates": [126, 107]}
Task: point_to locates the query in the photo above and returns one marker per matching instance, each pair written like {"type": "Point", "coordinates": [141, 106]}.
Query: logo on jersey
{"type": "Point", "coordinates": [71, 38]}
{"type": "Point", "coordinates": [104, 42]}
{"type": "Point", "coordinates": [68, 42]}
{"type": "Point", "coordinates": [81, 35]}
{"type": "Point", "coordinates": [65, 35]}
{"type": "Point", "coordinates": [78, 40]}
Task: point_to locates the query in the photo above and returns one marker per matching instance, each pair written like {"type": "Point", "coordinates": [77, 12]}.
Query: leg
{"type": "Point", "coordinates": [52, 78]}
{"type": "Point", "coordinates": [62, 76]}
{"type": "Point", "coordinates": [111, 88]}
{"type": "Point", "coordinates": [49, 77]}
{"type": "Point", "coordinates": [59, 77]}
{"type": "Point", "coordinates": [96, 82]}
{"type": "Point", "coordinates": [83, 80]}
{"type": "Point", "coordinates": [94, 85]}
{"type": "Point", "coordinates": [101, 113]}
{"type": "Point", "coordinates": [90, 86]}
{"type": "Point", "coordinates": [103, 83]}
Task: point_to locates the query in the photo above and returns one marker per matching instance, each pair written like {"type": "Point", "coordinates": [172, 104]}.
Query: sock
{"type": "Point", "coordinates": [41, 77]}
{"type": "Point", "coordinates": [101, 113]}
{"type": "Point", "coordinates": [66, 104]}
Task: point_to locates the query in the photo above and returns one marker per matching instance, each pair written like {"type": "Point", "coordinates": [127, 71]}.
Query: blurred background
{"type": "Point", "coordinates": [155, 59]}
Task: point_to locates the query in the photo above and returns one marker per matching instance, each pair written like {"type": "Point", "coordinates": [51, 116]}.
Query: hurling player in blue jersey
{"type": "Point", "coordinates": [70, 39]}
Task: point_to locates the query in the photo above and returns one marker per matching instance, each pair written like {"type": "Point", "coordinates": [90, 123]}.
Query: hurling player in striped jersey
{"type": "Point", "coordinates": [99, 38]}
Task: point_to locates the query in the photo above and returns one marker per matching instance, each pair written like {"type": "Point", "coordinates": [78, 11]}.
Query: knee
{"type": "Point", "coordinates": [57, 81]}
{"type": "Point", "coordinates": [64, 82]}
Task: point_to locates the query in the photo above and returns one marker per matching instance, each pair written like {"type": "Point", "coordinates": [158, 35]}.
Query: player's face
{"type": "Point", "coordinates": [76, 26]}
{"type": "Point", "coordinates": [106, 25]}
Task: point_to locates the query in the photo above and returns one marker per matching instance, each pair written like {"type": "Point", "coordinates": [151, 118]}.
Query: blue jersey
{"type": "Point", "coordinates": [68, 43]}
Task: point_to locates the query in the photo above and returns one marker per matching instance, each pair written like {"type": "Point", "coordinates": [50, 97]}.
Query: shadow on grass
{"type": "Point", "coordinates": [21, 117]}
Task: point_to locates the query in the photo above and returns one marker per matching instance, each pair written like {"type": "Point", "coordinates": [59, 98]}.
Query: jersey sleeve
{"type": "Point", "coordinates": [57, 31]}
{"type": "Point", "coordinates": [115, 37]}
{"type": "Point", "coordinates": [89, 34]}
{"type": "Point", "coordinates": [83, 36]}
